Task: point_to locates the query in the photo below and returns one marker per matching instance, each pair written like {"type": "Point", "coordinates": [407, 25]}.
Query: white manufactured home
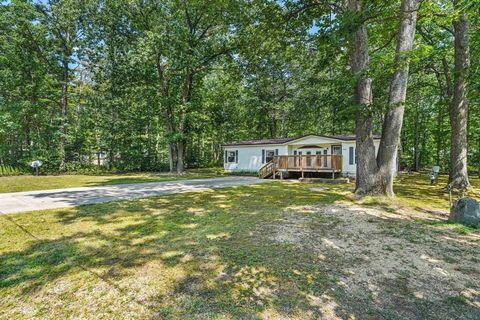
{"type": "Point", "coordinates": [335, 155]}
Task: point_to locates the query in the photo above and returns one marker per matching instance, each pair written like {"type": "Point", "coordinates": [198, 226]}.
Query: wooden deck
{"type": "Point", "coordinates": [301, 163]}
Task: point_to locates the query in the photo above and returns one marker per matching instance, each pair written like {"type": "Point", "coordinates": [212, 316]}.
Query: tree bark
{"type": "Point", "coordinates": [392, 124]}
{"type": "Point", "coordinates": [359, 60]}
{"type": "Point", "coordinates": [180, 156]}
{"type": "Point", "coordinates": [444, 94]}
{"type": "Point", "coordinates": [416, 143]}
{"type": "Point", "coordinates": [63, 112]}
{"type": "Point", "coordinates": [377, 177]}
{"type": "Point", "coordinates": [186, 97]}
{"type": "Point", "coordinates": [166, 110]}
{"type": "Point", "coordinates": [458, 108]}
{"type": "Point", "coordinates": [478, 157]}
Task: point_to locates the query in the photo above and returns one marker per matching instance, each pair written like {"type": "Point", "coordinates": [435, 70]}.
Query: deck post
{"type": "Point", "coordinates": [301, 165]}
{"type": "Point", "coordinates": [332, 159]}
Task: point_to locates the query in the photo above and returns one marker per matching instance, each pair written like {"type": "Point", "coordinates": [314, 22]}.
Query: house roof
{"type": "Point", "coordinates": [286, 140]}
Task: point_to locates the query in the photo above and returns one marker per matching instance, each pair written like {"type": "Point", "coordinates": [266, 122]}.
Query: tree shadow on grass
{"type": "Point", "coordinates": [42, 262]}
{"type": "Point", "coordinates": [160, 177]}
{"type": "Point", "coordinates": [213, 248]}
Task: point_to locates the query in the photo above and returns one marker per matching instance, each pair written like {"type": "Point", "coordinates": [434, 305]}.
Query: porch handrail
{"type": "Point", "coordinates": [266, 169]}
{"type": "Point", "coordinates": [309, 162]}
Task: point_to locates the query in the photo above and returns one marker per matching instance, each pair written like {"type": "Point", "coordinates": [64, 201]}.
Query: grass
{"type": "Point", "coordinates": [415, 191]}
{"type": "Point", "coordinates": [30, 183]}
{"type": "Point", "coordinates": [276, 251]}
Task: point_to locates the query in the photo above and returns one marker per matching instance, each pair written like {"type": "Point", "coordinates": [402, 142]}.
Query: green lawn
{"type": "Point", "coordinates": [415, 190]}
{"type": "Point", "coordinates": [281, 250]}
{"type": "Point", "coordinates": [29, 183]}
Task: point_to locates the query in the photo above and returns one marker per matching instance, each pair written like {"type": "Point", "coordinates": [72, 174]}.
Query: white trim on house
{"type": "Point", "coordinates": [252, 155]}
{"type": "Point", "coordinates": [312, 138]}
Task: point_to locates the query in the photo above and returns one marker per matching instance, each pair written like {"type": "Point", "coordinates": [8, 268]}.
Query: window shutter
{"type": "Point", "coordinates": [350, 155]}
{"type": "Point", "coordinates": [276, 152]}
{"type": "Point", "coordinates": [225, 157]}
{"type": "Point", "coordinates": [236, 156]}
{"type": "Point", "coordinates": [263, 155]}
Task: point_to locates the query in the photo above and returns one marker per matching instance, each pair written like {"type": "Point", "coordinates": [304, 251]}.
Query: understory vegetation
{"type": "Point", "coordinates": [160, 84]}
{"type": "Point", "coordinates": [119, 91]}
{"type": "Point", "coordinates": [277, 250]}
{"type": "Point", "coordinates": [9, 171]}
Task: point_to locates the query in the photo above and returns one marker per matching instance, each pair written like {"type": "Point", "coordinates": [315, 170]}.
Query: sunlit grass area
{"type": "Point", "coordinates": [415, 191]}
{"type": "Point", "coordinates": [281, 250]}
{"type": "Point", "coordinates": [30, 182]}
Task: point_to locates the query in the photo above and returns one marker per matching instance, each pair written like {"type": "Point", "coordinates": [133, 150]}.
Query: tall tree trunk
{"type": "Point", "coordinates": [458, 108]}
{"type": "Point", "coordinates": [63, 113]}
{"type": "Point", "coordinates": [180, 156]}
{"type": "Point", "coordinates": [445, 94]}
{"type": "Point", "coordinates": [166, 110]}
{"type": "Point", "coordinates": [393, 121]}
{"type": "Point", "coordinates": [377, 178]}
{"type": "Point", "coordinates": [186, 97]}
{"type": "Point", "coordinates": [478, 160]}
{"type": "Point", "coordinates": [416, 142]}
{"type": "Point", "coordinates": [359, 59]}
{"type": "Point", "coordinates": [171, 152]}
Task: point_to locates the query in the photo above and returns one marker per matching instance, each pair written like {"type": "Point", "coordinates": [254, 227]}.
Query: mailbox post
{"type": "Point", "coordinates": [36, 166]}
{"type": "Point", "coordinates": [434, 174]}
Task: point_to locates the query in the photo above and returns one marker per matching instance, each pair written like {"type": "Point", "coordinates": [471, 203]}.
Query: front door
{"type": "Point", "coordinates": [337, 150]}
{"type": "Point", "coordinates": [309, 159]}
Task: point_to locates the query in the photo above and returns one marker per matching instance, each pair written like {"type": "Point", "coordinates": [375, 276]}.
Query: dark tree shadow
{"type": "Point", "coordinates": [222, 242]}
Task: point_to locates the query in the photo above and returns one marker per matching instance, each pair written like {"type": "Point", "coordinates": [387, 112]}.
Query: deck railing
{"type": "Point", "coordinates": [309, 162]}
{"type": "Point", "coordinates": [302, 163]}
{"type": "Point", "coordinates": [266, 170]}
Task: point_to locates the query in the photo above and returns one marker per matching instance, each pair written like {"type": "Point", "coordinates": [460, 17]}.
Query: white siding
{"type": "Point", "coordinates": [250, 157]}
{"type": "Point", "coordinates": [347, 168]}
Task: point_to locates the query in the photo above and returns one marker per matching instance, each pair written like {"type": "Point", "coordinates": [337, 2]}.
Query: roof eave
{"type": "Point", "coordinates": [290, 141]}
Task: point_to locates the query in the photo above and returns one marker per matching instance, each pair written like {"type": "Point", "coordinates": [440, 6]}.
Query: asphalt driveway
{"type": "Point", "coordinates": [69, 197]}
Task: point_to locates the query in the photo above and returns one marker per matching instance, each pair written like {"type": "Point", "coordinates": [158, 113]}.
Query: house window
{"type": "Point", "coordinates": [269, 154]}
{"type": "Point", "coordinates": [352, 159]}
{"type": "Point", "coordinates": [231, 156]}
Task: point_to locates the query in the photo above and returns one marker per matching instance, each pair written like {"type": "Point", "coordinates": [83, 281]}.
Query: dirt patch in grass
{"type": "Point", "coordinates": [387, 259]}
{"type": "Point", "coordinates": [269, 251]}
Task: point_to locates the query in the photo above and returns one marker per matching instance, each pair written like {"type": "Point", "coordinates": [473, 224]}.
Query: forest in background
{"type": "Point", "coordinates": [159, 84]}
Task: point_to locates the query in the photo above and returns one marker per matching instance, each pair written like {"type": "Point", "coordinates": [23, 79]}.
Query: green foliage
{"type": "Point", "coordinates": [10, 171]}
{"type": "Point", "coordinates": [234, 70]}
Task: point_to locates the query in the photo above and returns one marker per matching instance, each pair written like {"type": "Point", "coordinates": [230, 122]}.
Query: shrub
{"type": "Point", "coordinates": [10, 171]}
